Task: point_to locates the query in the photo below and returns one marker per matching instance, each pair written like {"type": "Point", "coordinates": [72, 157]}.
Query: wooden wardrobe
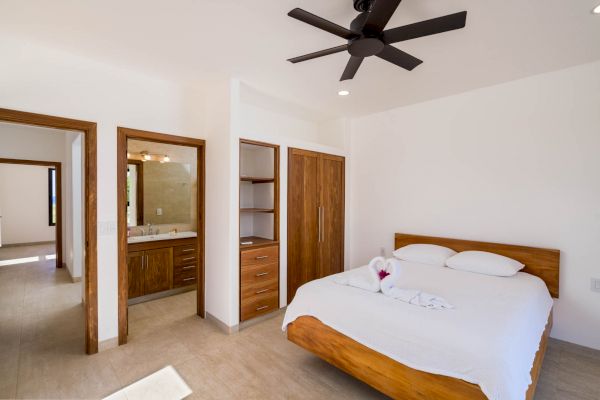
{"type": "Point", "coordinates": [315, 217]}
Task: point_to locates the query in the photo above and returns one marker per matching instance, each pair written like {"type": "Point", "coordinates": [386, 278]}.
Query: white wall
{"type": "Point", "coordinates": [24, 204]}
{"type": "Point", "coordinates": [35, 143]}
{"type": "Point", "coordinates": [39, 79]}
{"type": "Point", "coordinates": [516, 163]}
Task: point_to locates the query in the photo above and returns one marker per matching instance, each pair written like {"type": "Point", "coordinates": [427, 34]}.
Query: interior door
{"type": "Point", "coordinates": [158, 271]}
{"type": "Point", "coordinates": [331, 201]}
{"type": "Point", "coordinates": [135, 265]}
{"type": "Point", "coordinates": [303, 213]}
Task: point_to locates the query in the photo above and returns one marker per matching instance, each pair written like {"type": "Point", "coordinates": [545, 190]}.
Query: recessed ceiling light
{"type": "Point", "coordinates": [596, 10]}
{"type": "Point", "coordinates": [343, 93]}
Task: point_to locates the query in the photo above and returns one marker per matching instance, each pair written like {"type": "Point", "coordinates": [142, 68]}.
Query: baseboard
{"type": "Point", "coordinates": [108, 344]}
{"type": "Point", "coordinates": [242, 325]}
{"type": "Point", "coordinates": [73, 279]}
{"type": "Point", "coordinates": [27, 244]}
{"type": "Point", "coordinates": [221, 325]}
{"type": "Point", "coordinates": [262, 318]}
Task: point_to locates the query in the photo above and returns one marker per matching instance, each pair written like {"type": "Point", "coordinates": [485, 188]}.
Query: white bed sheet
{"type": "Point", "coordinates": [489, 339]}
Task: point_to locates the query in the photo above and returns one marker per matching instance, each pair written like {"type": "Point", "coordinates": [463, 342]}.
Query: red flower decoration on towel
{"type": "Point", "coordinates": [382, 274]}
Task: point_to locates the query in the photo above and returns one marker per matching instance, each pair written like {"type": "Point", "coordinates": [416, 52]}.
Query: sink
{"type": "Point", "coordinates": [161, 236]}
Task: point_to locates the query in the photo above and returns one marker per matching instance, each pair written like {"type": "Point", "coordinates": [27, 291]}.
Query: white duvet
{"type": "Point", "coordinates": [489, 339]}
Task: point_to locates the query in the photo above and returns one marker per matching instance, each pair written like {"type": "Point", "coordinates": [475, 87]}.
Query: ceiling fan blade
{"type": "Point", "coordinates": [398, 57]}
{"type": "Point", "coordinates": [318, 54]}
{"type": "Point", "coordinates": [322, 23]}
{"type": "Point", "coordinates": [426, 28]}
{"type": "Point", "coordinates": [351, 67]}
{"type": "Point", "coordinates": [380, 15]}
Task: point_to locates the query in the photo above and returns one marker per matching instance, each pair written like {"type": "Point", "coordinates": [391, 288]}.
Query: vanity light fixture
{"type": "Point", "coordinates": [146, 156]}
{"type": "Point", "coordinates": [166, 158]}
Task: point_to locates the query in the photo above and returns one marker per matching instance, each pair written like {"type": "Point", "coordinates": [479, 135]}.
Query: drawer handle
{"type": "Point", "coordinates": [189, 258]}
{"type": "Point", "coordinates": [262, 291]}
{"type": "Point", "coordinates": [189, 279]}
{"type": "Point", "coordinates": [262, 274]}
{"type": "Point", "coordinates": [189, 267]}
{"type": "Point", "coordinates": [261, 308]}
{"type": "Point", "coordinates": [261, 257]}
{"type": "Point", "coordinates": [187, 250]}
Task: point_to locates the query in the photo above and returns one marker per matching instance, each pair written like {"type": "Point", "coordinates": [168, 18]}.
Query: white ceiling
{"type": "Point", "coordinates": [185, 39]}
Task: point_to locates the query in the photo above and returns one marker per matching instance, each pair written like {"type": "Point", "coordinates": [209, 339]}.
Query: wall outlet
{"type": "Point", "coordinates": [159, 211]}
{"type": "Point", "coordinates": [595, 285]}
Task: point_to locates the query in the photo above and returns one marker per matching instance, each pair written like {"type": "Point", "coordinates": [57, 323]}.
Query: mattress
{"type": "Point", "coordinates": [490, 338]}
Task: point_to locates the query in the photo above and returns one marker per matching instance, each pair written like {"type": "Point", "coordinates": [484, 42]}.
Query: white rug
{"type": "Point", "coordinates": [165, 384]}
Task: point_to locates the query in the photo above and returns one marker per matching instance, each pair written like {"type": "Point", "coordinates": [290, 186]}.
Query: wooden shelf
{"type": "Point", "coordinates": [255, 179]}
{"type": "Point", "coordinates": [256, 242]}
{"type": "Point", "coordinates": [257, 210]}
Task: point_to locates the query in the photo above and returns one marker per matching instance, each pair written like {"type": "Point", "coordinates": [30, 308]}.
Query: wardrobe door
{"type": "Point", "coordinates": [303, 219]}
{"type": "Point", "coordinates": [331, 200]}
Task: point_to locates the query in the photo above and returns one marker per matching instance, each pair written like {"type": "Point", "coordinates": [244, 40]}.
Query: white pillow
{"type": "Point", "coordinates": [482, 262]}
{"type": "Point", "coordinates": [431, 254]}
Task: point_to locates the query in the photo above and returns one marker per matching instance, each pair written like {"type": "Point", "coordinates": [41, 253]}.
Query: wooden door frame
{"type": "Point", "coordinates": [59, 195]}
{"type": "Point", "coordinates": [124, 134]}
{"type": "Point", "coordinates": [88, 129]}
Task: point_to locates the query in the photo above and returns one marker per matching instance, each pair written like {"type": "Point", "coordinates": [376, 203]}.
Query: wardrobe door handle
{"type": "Point", "coordinates": [319, 239]}
{"type": "Point", "coordinates": [322, 224]}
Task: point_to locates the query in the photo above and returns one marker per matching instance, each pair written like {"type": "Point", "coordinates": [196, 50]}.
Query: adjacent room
{"type": "Point", "coordinates": [300, 199]}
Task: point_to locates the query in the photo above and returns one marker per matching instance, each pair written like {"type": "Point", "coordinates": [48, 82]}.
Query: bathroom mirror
{"type": "Point", "coordinates": [161, 186]}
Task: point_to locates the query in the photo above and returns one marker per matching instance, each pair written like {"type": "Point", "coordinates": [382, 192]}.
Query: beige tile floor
{"type": "Point", "coordinates": [41, 351]}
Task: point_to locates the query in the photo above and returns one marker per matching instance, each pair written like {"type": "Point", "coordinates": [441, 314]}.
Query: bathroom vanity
{"type": "Point", "coordinates": [161, 266]}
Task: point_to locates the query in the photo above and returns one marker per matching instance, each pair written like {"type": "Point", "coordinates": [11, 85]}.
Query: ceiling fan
{"type": "Point", "coordinates": [367, 37]}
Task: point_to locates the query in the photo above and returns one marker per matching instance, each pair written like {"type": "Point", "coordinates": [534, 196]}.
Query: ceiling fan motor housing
{"type": "Point", "coordinates": [366, 44]}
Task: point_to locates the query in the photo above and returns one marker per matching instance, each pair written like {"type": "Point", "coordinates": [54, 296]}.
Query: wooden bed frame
{"type": "Point", "coordinates": [399, 381]}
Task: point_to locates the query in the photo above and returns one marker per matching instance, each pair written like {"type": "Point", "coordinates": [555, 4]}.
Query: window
{"type": "Point", "coordinates": [51, 196]}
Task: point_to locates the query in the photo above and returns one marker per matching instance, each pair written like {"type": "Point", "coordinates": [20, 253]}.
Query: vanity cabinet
{"type": "Point", "coordinates": [160, 266]}
{"type": "Point", "coordinates": [150, 271]}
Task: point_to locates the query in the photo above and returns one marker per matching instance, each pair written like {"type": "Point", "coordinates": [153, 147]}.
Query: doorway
{"type": "Point", "coordinates": [88, 130]}
{"type": "Point", "coordinates": [160, 191]}
{"type": "Point", "coordinates": [50, 171]}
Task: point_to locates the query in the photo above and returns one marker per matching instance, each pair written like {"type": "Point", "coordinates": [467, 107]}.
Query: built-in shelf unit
{"type": "Point", "coordinates": [259, 229]}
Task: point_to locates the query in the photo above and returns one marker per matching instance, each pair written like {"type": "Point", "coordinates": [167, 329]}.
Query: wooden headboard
{"type": "Point", "coordinates": [544, 263]}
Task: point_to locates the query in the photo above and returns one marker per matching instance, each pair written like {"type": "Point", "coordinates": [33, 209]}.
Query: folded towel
{"type": "Point", "coordinates": [366, 278]}
{"type": "Point", "coordinates": [410, 296]}
{"type": "Point", "coordinates": [393, 269]}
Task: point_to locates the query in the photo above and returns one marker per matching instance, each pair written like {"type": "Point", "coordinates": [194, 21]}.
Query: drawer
{"type": "Point", "coordinates": [259, 274]}
{"type": "Point", "coordinates": [184, 279]}
{"type": "Point", "coordinates": [179, 269]}
{"type": "Point", "coordinates": [186, 250]}
{"type": "Point", "coordinates": [264, 255]}
{"type": "Point", "coordinates": [185, 259]}
{"type": "Point", "coordinates": [259, 305]}
{"type": "Point", "coordinates": [248, 291]}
